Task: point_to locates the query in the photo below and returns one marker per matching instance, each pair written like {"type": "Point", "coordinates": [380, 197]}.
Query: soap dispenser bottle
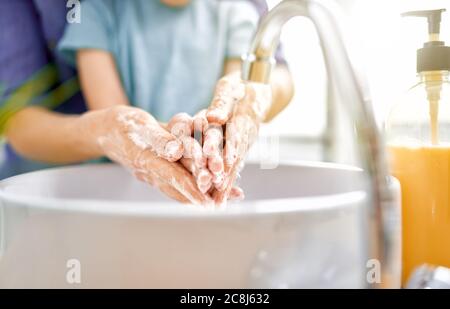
{"type": "Point", "coordinates": [418, 136]}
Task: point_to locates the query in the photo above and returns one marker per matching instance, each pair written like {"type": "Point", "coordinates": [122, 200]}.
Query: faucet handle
{"type": "Point", "coordinates": [429, 277]}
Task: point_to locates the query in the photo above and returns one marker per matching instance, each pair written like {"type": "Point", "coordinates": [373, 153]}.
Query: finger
{"type": "Point", "coordinates": [173, 193]}
{"type": "Point", "coordinates": [144, 177]}
{"type": "Point", "coordinates": [170, 192]}
{"type": "Point", "coordinates": [204, 180]}
{"type": "Point", "coordinates": [231, 174]}
{"type": "Point", "coordinates": [178, 177]}
{"type": "Point", "coordinates": [193, 150]}
{"type": "Point", "coordinates": [220, 196]}
{"type": "Point", "coordinates": [189, 189]}
{"type": "Point", "coordinates": [228, 92]}
{"type": "Point", "coordinates": [242, 132]}
{"type": "Point", "coordinates": [232, 141]}
{"type": "Point", "coordinates": [146, 133]}
{"type": "Point", "coordinates": [212, 145]}
{"type": "Point", "coordinates": [200, 126]}
{"type": "Point", "coordinates": [181, 125]}
{"type": "Point", "coordinates": [236, 194]}
{"type": "Point", "coordinates": [215, 164]}
{"type": "Point", "coordinates": [218, 180]}
{"type": "Point", "coordinates": [202, 175]}
{"type": "Point", "coordinates": [171, 151]}
{"type": "Point", "coordinates": [159, 140]}
{"type": "Point", "coordinates": [140, 176]}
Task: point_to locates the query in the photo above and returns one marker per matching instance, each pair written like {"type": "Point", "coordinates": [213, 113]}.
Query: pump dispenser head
{"type": "Point", "coordinates": [434, 56]}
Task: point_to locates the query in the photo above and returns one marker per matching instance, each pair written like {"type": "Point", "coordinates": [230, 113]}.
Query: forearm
{"type": "Point", "coordinates": [282, 91]}
{"type": "Point", "coordinates": [281, 84]}
{"type": "Point", "coordinates": [100, 80]}
{"type": "Point", "coordinates": [45, 136]}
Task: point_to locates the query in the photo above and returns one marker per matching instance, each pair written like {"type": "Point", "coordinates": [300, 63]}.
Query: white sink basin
{"type": "Point", "coordinates": [298, 227]}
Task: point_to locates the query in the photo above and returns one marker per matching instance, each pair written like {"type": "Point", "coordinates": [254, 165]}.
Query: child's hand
{"type": "Point", "coordinates": [182, 126]}
{"type": "Point", "coordinates": [217, 140]}
{"type": "Point", "coordinates": [190, 131]}
{"type": "Point", "coordinates": [133, 138]}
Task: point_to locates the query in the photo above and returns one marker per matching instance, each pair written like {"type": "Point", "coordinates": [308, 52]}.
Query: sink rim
{"type": "Point", "coordinates": [174, 209]}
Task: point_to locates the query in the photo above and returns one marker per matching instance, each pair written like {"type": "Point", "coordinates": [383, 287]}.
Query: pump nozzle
{"type": "Point", "coordinates": [434, 21]}
{"type": "Point", "coordinates": [432, 60]}
{"type": "Point", "coordinates": [434, 56]}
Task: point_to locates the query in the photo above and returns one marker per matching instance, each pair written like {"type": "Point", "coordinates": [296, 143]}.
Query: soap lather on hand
{"type": "Point", "coordinates": [224, 134]}
{"type": "Point", "coordinates": [194, 159]}
{"type": "Point", "coordinates": [133, 138]}
{"type": "Point", "coordinates": [245, 108]}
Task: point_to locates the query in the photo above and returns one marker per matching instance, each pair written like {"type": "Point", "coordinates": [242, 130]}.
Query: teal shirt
{"type": "Point", "coordinates": [169, 59]}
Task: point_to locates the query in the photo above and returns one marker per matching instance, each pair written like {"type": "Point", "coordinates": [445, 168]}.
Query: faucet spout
{"type": "Point", "coordinates": [259, 62]}
{"type": "Point", "coordinates": [382, 216]}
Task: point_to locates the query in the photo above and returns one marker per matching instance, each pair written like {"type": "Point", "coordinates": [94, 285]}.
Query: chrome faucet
{"type": "Point", "coordinates": [383, 219]}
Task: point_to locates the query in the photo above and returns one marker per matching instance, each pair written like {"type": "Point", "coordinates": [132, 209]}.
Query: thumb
{"type": "Point", "coordinates": [165, 144]}
{"type": "Point", "coordinates": [229, 90]}
{"type": "Point", "coordinates": [147, 133]}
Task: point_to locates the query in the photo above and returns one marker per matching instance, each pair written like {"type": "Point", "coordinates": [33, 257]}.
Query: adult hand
{"type": "Point", "coordinates": [133, 138]}
{"type": "Point", "coordinates": [239, 107]}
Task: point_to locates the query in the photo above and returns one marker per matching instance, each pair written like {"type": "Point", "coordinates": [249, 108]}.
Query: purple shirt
{"type": "Point", "coordinates": [29, 31]}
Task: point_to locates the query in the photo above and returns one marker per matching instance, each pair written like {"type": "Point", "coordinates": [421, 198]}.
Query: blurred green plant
{"type": "Point", "coordinates": [39, 90]}
{"type": "Point", "coordinates": [2, 89]}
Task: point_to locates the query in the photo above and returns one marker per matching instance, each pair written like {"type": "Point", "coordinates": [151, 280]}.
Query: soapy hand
{"type": "Point", "coordinates": [182, 126]}
{"type": "Point", "coordinates": [133, 138]}
{"type": "Point", "coordinates": [189, 130]}
{"type": "Point", "coordinates": [217, 140]}
{"type": "Point", "coordinates": [191, 159]}
{"type": "Point", "coordinates": [239, 107]}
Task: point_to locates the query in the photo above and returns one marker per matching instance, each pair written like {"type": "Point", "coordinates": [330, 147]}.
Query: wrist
{"type": "Point", "coordinates": [258, 100]}
{"type": "Point", "coordinates": [89, 128]}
